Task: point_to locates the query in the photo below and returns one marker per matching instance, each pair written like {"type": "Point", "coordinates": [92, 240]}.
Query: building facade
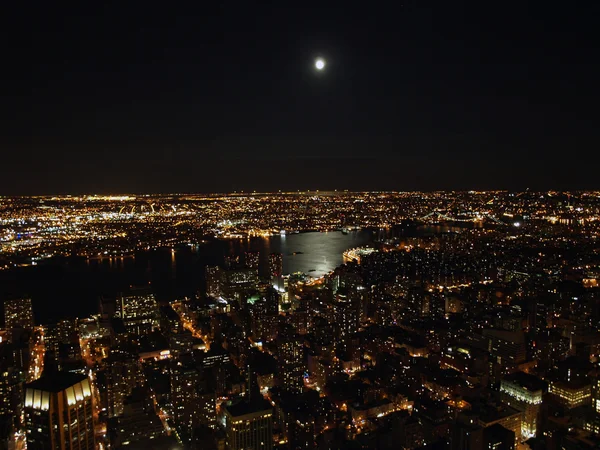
{"type": "Point", "coordinates": [524, 392]}
{"type": "Point", "coordinates": [59, 413]}
{"type": "Point", "coordinates": [249, 426]}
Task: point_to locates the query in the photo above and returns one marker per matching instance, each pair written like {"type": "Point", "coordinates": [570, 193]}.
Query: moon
{"type": "Point", "coordinates": [320, 63]}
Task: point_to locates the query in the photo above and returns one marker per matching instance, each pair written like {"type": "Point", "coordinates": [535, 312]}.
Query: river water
{"type": "Point", "coordinates": [71, 287]}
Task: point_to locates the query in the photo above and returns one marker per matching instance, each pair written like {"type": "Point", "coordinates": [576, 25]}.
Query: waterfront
{"type": "Point", "coordinates": [312, 253]}
{"type": "Point", "coordinates": [71, 286]}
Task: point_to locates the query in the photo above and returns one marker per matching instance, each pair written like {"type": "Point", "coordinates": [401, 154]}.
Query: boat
{"type": "Point", "coordinates": [344, 230]}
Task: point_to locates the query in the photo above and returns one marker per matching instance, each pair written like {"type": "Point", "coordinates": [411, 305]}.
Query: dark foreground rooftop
{"type": "Point", "coordinates": [56, 382]}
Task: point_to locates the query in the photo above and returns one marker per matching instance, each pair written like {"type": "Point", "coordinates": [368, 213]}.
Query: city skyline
{"type": "Point", "coordinates": [313, 320]}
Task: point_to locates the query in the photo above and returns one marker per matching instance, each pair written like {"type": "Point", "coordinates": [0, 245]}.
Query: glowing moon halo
{"type": "Point", "coordinates": [320, 64]}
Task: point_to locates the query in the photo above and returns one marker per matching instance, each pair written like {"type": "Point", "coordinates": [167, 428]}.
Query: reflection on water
{"type": "Point", "coordinates": [314, 253]}
{"type": "Point", "coordinates": [173, 263]}
{"type": "Point", "coordinates": [71, 286]}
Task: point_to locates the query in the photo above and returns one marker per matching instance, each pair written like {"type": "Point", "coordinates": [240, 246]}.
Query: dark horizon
{"type": "Point", "coordinates": [423, 95]}
{"type": "Point", "coordinates": [290, 175]}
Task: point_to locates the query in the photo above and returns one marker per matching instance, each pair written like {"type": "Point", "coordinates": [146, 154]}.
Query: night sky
{"type": "Point", "coordinates": [133, 97]}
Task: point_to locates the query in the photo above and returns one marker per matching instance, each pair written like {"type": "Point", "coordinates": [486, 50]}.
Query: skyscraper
{"type": "Point", "coordinates": [185, 383]}
{"type": "Point", "coordinates": [346, 319]}
{"type": "Point", "coordinates": [122, 374]}
{"type": "Point", "coordinates": [276, 270]}
{"type": "Point", "coordinates": [291, 365]}
{"type": "Point", "coordinates": [258, 323]}
{"type": "Point", "coordinates": [59, 412]}
{"type": "Point", "coordinates": [276, 264]}
{"type": "Point", "coordinates": [249, 422]}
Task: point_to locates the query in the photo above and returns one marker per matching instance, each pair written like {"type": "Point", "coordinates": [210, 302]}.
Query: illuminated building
{"type": "Point", "coordinates": [571, 395]}
{"type": "Point", "coordinates": [59, 413]}
{"type": "Point", "coordinates": [346, 319]}
{"type": "Point", "coordinates": [240, 277]}
{"type": "Point", "coordinates": [184, 385]}
{"type": "Point", "coordinates": [239, 284]}
{"type": "Point", "coordinates": [11, 390]}
{"type": "Point", "coordinates": [192, 406]}
{"type": "Point", "coordinates": [361, 412]}
{"type": "Point", "coordinates": [122, 375]}
{"type": "Point", "coordinates": [524, 392]}
{"type": "Point", "coordinates": [216, 356]}
{"type": "Point", "coordinates": [321, 369]}
{"type": "Point", "coordinates": [214, 281]}
{"type": "Point", "coordinates": [590, 421]}
{"type": "Point", "coordinates": [206, 401]}
{"type": "Point", "coordinates": [249, 421]}
{"type": "Point", "coordinates": [264, 315]}
{"type": "Point", "coordinates": [276, 270]}
{"type": "Point", "coordinates": [251, 260]}
{"type": "Point", "coordinates": [510, 321]}
{"type": "Point", "coordinates": [62, 343]}
{"type": "Point", "coordinates": [300, 319]}
{"type": "Point", "coordinates": [18, 313]}
{"type": "Point", "coordinates": [291, 365]}
{"type": "Point", "coordinates": [139, 311]}
{"type": "Point", "coordinates": [249, 425]}
{"type": "Point", "coordinates": [276, 264]}
{"type": "Point", "coordinates": [184, 342]}
{"type": "Point", "coordinates": [356, 254]}
{"type": "Point", "coordinates": [259, 323]}
{"type": "Point", "coordinates": [353, 291]}
{"type": "Point", "coordinates": [456, 358]}
{"type": "Point", "coordinates": [419, 302]}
